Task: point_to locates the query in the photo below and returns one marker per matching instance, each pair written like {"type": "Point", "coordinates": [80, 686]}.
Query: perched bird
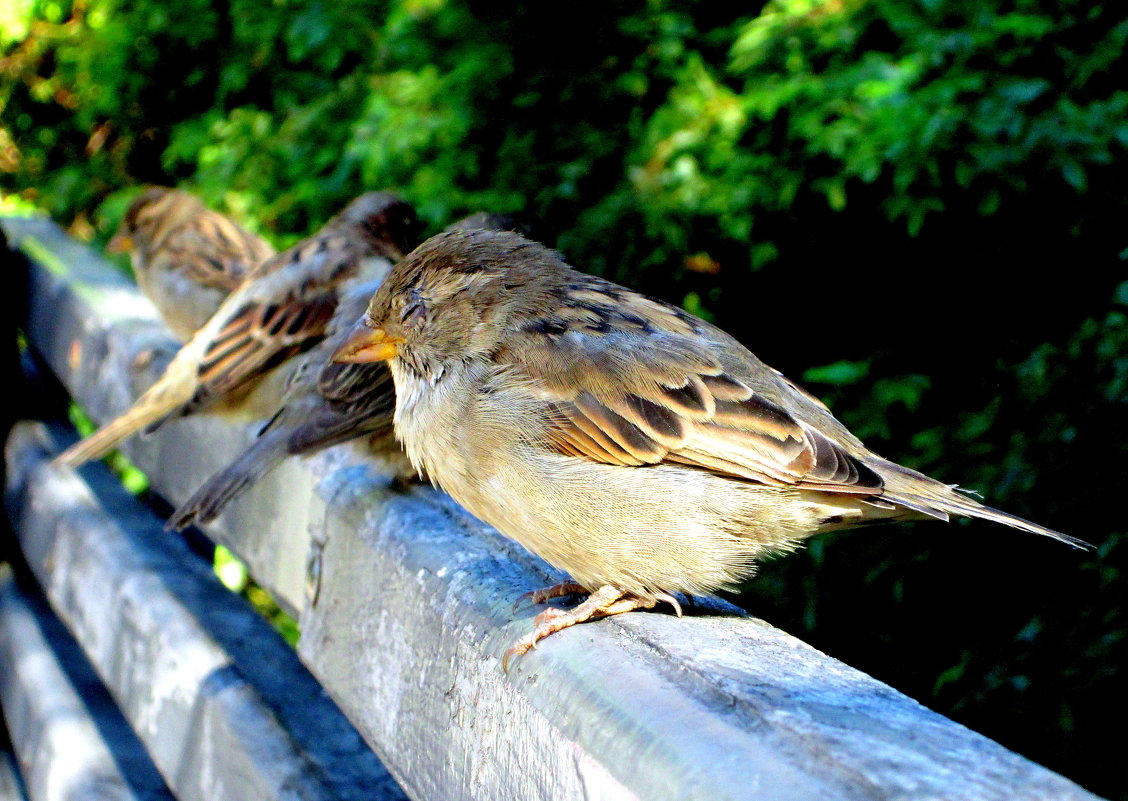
{"type": "Point", "coordinates": [237, 363]}
{"type": "Point", "coordinates": [186, 257]}
{"type": "Point", "coordinates": [637, 447]}
{"type": "Point", "coordinates": [326, 403]}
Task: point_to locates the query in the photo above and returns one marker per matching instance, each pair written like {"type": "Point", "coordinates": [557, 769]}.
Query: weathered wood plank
{"type": "Point", "coordinates": [70, 738]}
{"type": "Point", "coordinates": [409, 616]}
{"type": "Point", "coordinates": [106, 344]}
{"type": "Point", "coordinates": [716, 705]}
{"type": "Point", "coordinates": [220, 701]}
{"type": "Point", "coordinates": [10, 788]}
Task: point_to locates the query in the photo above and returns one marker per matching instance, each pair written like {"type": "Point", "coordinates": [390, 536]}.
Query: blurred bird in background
{"type": "Point", "coordinates": [237, 363]}
{"type": "Point", "coordinates": [186, 257]}
{"type": "Point", "coordinates": [326, 403]}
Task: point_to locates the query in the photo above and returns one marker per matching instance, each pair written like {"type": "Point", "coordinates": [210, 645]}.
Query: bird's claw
{"type": "Point", "coordinates": [604, 602]}
{"type": "Point", "coordinates": [542, 627]}
{"type": "Point", "coordinates": [520, 648]}
{"type": "Point", "coordinates": [548, 593]}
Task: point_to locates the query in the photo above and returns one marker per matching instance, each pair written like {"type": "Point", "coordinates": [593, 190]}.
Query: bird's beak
{"type": "Point", "coordinates": [366, 344]}
{"type": "Point", "coordinates": [121, 243]}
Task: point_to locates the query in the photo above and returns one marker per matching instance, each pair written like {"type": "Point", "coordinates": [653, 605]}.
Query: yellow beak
{"type": "Point", "coordinates": [121, 243]}
{"type": "Point", "coordinates": [366, 344]}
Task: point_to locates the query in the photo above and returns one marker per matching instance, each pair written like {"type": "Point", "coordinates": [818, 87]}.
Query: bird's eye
{"type": "Point", "coordinates": [414, 307]}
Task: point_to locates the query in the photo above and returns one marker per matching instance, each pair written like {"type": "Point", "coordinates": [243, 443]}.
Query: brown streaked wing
{"type": "Point", "coordinates": [352, 384]}
{"type": "Point", "coordinates": [263, 334]}
{"type": "Point", "coordinates": [259, 336]}
{"type": "Point", "coordinates": [214, 252]}
{"type": "Point", "coordinates": [357, 399]}
{"type": "Point", "coordinates": [660, 395]}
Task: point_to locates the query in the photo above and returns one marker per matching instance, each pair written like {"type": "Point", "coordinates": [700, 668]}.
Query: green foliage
{"type": "Point", "coordinates": [885, 87]}
{"type": "Point", "coordinates": [233, 575]}
{"type": "Point", "coordinates": [229, 570]}
{"type": "Point", "coordinates": [917, 206]}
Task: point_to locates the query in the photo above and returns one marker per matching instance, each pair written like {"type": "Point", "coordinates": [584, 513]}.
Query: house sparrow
{"type": "Point", "coordinates": [639, 448]}
{"type": "Point", "coordinates": [186, 258]}
{"type": "Point", "coordinates": [237, 363]}
{"type": "Point", "coordinates": [326, 403]}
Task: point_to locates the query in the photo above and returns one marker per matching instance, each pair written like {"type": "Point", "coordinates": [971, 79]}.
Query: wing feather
{"type": "Point", "coordinates": [259, 337]}
{"type": "Point", "coordinates": [289, 313]}
{"type": "Point", "coordinates": [684, 393]}
{"type": "Point", "coordinates": [214, 252]}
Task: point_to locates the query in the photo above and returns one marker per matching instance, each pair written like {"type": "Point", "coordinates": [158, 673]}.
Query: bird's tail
{"type": "Point", "coordinates": [328, 427]}
{"type": "Point", "coordinates": [228, 484]}
{"type": "Point", "coordinates": [932, 498]}
{"type": "Point", "coordinates": [162, 399]}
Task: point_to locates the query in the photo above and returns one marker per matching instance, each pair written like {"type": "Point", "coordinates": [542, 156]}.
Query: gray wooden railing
{"type": "Point", "coordinates": [404, 603]}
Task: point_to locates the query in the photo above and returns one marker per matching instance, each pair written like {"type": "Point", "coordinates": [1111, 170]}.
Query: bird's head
{"type": "Point", "coordinates": [155, 208]}
{"type": "Point", "coordinates": [452, 300]}
{"type": "Point", "coordinates": [385, 221]}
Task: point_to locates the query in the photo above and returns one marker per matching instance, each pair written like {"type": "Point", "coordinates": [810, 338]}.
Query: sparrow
{"type": "Point", "coordinates": [623, 440]}
{"type": "Point", "coordinates": [325, 404]}
{"type": "Point", "coordinates": [237, 364]}
{"type": "Point", "coordinates": [186, 257]}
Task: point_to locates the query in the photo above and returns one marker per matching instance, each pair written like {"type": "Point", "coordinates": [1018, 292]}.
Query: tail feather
{"type": "Point", "coordinates": [228, 484]}
{"type": "Point", "coordinates": [920, 505]}
{"type": "Point", "coordinates": [922, 494]}
{"type": "Point", "coordinates": [973, 509]}
{"type": "Point", "coordinates": [154, 406]}
{"type": "Point", "coordinates": [175, 388]}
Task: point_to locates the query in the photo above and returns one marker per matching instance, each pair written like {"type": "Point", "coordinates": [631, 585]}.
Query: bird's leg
{"type": "Point", "coordinates": [604, 602]}
{"type": "Point", "coordinates": [548, 593]}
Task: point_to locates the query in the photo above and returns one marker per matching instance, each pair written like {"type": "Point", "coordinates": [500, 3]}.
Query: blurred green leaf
{"type": "Point", "coordinates": [841, 372]}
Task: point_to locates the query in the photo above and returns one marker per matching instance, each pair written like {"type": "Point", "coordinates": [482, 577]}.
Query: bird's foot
{"type": "Point", "coordinates": [548, 593]}
{"type": "Point", "coordinates": [604, 602]}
